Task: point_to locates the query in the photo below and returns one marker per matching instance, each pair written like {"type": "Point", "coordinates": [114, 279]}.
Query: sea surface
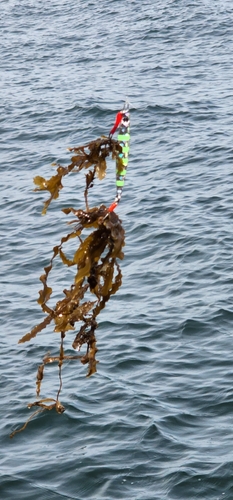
{"type": "Point", "coordinates": [156, 421]}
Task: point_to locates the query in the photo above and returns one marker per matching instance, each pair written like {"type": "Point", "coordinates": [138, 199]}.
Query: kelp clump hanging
{"type": "Point", "coordinates": [95, 260]}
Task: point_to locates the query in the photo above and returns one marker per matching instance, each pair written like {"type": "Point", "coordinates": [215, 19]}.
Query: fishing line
{"type": "Point", "coordinates": [122, 126]}
{"type": "Point", "coordinates": [129, 11]}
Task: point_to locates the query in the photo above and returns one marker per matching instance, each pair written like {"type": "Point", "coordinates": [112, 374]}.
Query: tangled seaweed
{"type": "Point", "coordinates": [95, 261]}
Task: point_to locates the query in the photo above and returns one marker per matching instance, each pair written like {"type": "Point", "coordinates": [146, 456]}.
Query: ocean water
{"type": "Point", "coordinates": [155, 422]}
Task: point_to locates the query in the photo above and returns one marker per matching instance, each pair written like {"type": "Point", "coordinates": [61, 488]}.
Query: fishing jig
{"type": "Point", "coordinates": [122, 124]}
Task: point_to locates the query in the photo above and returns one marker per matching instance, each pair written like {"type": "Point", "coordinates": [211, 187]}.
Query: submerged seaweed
{"type": "Point", "coordinates": [95, 261]}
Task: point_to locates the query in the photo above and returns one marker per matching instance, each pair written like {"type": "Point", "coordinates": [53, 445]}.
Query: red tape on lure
{"type": "Point", "coordinates": [118, 119]}
{"type": "Point", "coordinates": [112, 206]}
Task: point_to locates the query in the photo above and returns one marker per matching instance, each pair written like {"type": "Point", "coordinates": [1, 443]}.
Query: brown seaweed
{"type": "Point", "coordinates": [93, 154]}
{"type": "Point", "coordinates": [97, 270]}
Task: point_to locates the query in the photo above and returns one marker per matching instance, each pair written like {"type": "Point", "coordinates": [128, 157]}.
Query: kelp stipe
{"type": "Point", "coordinates": [96, 264]}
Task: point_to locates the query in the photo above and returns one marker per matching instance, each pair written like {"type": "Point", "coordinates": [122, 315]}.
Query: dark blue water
{"type": "Point", "coordinates": [155, 422]}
